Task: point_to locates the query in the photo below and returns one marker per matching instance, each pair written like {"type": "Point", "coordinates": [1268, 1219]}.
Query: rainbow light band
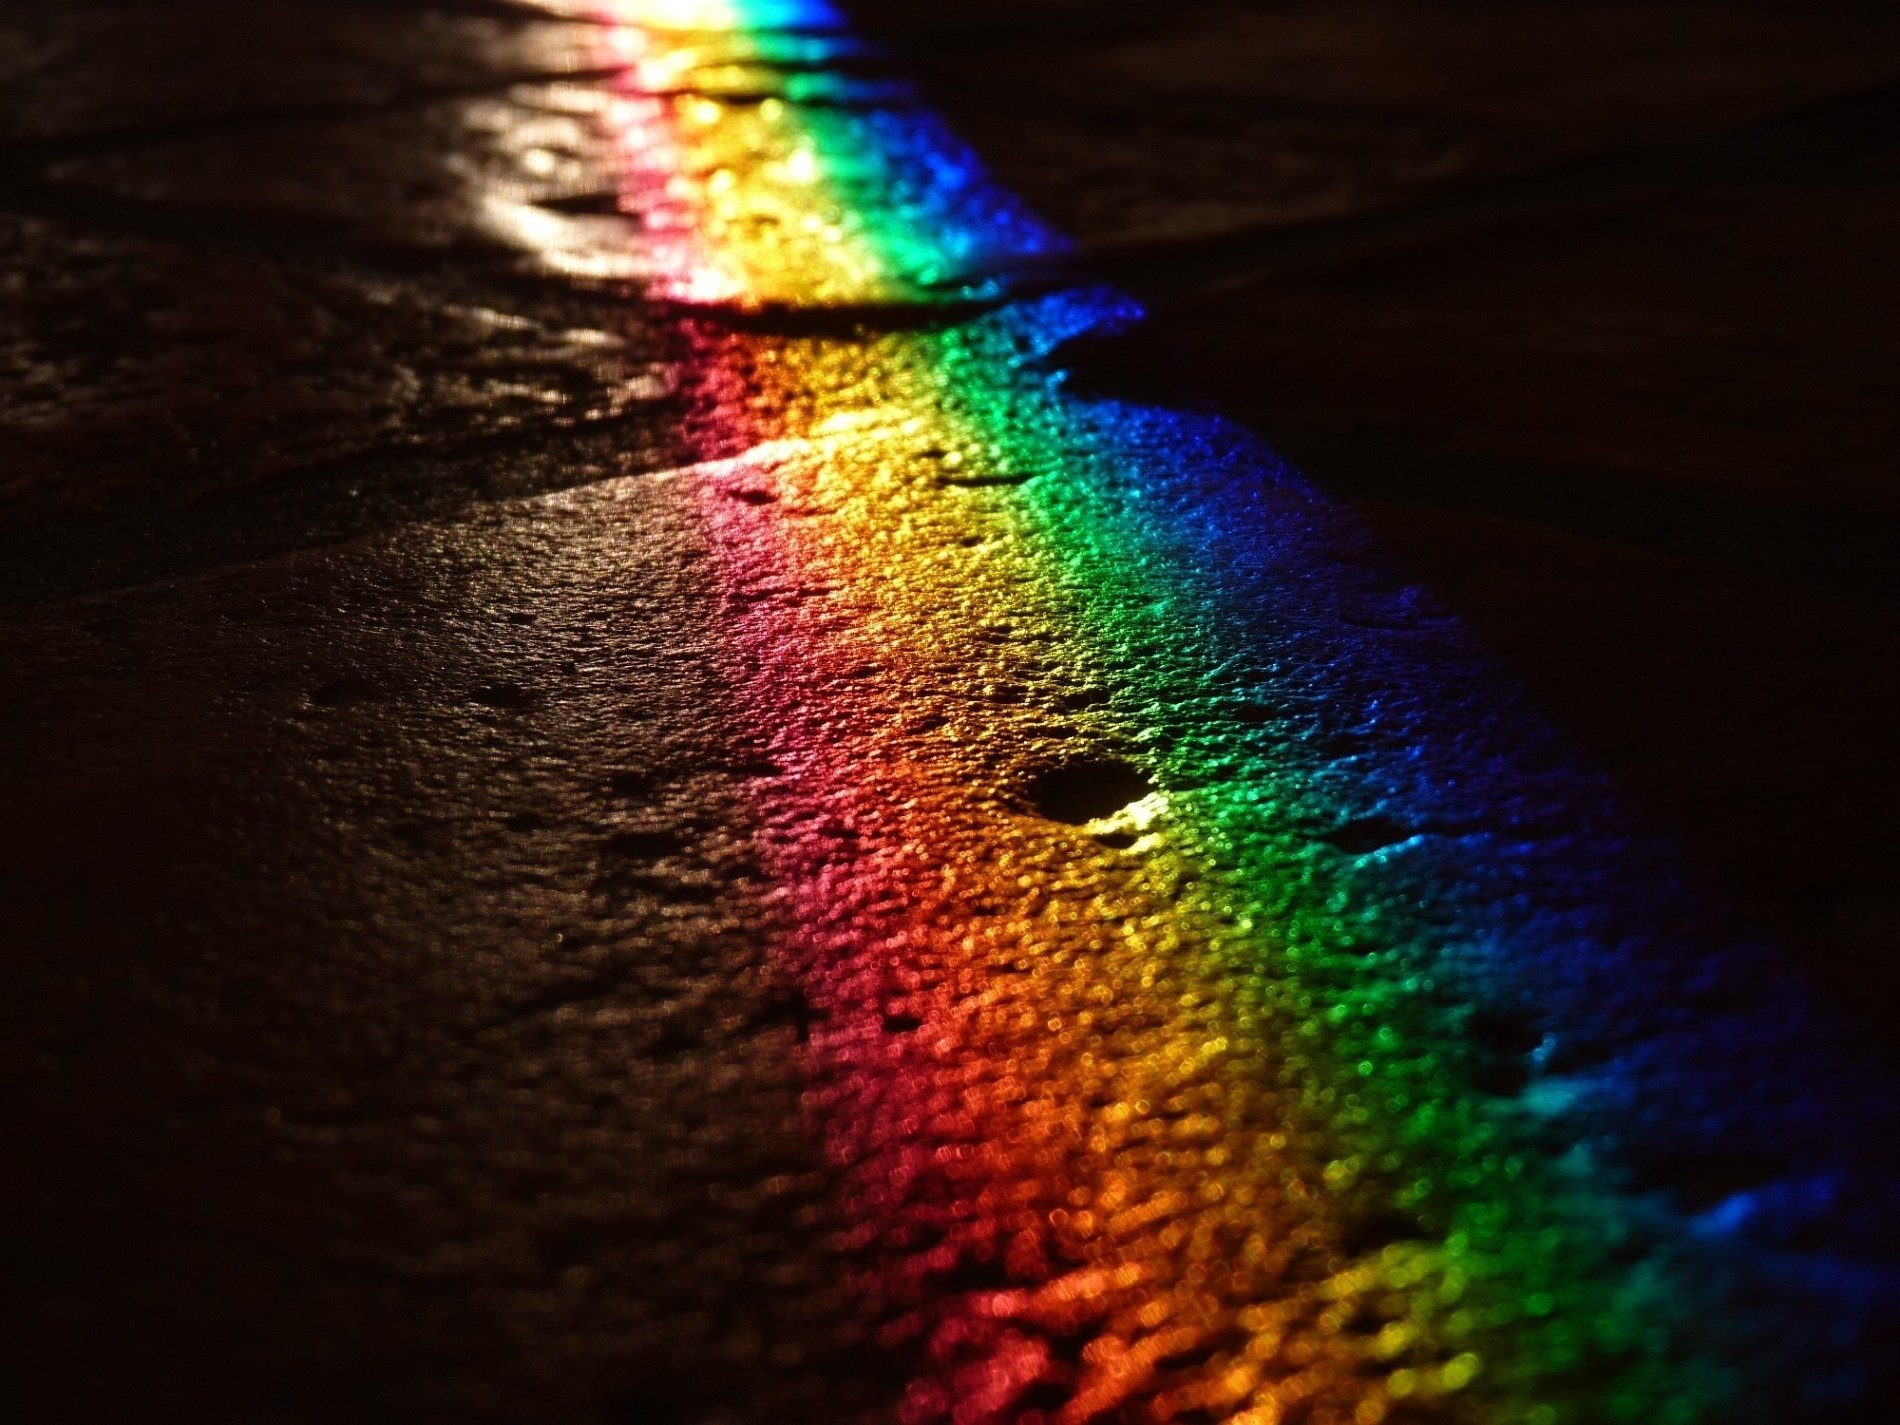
{"type": "Point", "coordinates": [1186, 1111]}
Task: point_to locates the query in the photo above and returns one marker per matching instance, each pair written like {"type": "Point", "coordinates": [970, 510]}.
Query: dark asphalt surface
{"type": "Point", "coordinates": [391, 1028]}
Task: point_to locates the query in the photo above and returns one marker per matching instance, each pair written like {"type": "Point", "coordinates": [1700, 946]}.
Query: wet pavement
{"type": "Point", "coordinates": [663, 766]}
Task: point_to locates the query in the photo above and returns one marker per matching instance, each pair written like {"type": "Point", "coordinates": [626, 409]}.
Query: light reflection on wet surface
{"type": "Point", "coordinates": [1315, 1083]}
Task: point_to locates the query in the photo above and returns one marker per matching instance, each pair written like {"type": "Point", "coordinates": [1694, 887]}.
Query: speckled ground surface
{"type": "Point", "coordinates": [422, 726]}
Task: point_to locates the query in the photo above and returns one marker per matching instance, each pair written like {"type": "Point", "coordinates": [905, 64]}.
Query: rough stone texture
{"type": "Point", "coordinates": [388, 1027]}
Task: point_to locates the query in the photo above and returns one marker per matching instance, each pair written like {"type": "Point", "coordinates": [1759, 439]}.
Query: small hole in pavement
{"type": "Point", "coordinates": [1087, 789]}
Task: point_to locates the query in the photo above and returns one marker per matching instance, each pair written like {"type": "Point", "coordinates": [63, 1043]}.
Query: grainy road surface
{"type": "Point", "coordinates": [662, 766]}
